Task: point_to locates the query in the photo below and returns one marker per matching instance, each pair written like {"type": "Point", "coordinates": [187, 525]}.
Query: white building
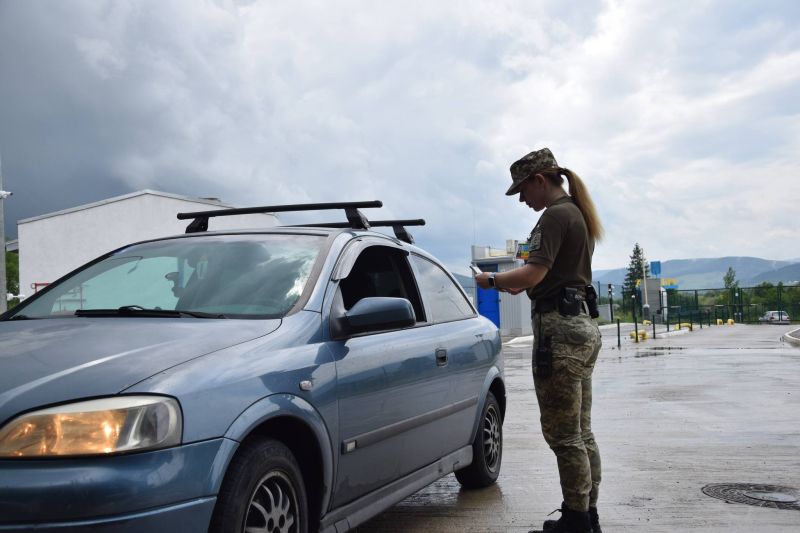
{"type": "Point", "coordinates": [512, 314]}
{"type": "Point", "coordinates": [54, 244]}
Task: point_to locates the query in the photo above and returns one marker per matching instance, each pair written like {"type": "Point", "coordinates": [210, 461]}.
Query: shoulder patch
{"type": "Point", "coordinates": [536, 239]}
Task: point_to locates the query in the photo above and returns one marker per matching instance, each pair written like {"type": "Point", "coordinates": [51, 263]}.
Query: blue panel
{"type": "Point", "coordinates": [489, 299]}
{"type": "Point", "coordinates": [489, 304]}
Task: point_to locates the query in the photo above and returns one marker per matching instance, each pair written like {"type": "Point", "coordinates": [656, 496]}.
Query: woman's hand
{"type": "Point", "coordinates": [512, 292]}
{"type": "Point", "coordinates": [482, 280]}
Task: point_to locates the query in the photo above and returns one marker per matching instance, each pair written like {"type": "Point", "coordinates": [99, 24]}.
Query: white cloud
{"type": "Point", "coordinates": [100, 56]}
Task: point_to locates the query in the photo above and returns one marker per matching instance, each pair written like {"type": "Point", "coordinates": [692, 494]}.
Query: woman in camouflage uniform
{"type": "Point", "coordinates": [557, 277]}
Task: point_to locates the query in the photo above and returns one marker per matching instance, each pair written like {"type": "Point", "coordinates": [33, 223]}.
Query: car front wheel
{"type": "Point", "coordinates": [263, 491]}
{"type": "Point", "coordinates": [487, 448]}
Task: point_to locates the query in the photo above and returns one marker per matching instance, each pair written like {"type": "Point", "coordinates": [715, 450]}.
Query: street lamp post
{"type": "Point", "coordinates": [646, 306]}
{"type": "Point", "coordinates": [3, 288]}
{"type": "Point", "coordinates": [611, 301]}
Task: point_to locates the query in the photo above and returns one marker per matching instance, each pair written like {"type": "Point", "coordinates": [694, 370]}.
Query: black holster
{"type": "Point", "coordinates": [571, 302]}
{"type": "Point", "coordinates": [591, 301]}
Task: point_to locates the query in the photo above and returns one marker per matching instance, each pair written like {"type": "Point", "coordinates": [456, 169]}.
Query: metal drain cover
{"type": "Point", "coordinates": [777, 497]}
{"type": "Point", "coordinates": [771, 496]}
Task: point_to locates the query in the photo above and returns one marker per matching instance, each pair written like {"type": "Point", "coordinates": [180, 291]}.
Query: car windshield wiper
{"type": "Point", "coordinates": [20, 317]}
{"type": "Point", "coordinates": [137, 310]}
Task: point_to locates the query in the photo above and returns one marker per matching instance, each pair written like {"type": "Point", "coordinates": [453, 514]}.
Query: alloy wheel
{"type": "Point", "coordinates": [273, 508]}
{"type": "Point", "coordinates": [492, 438]}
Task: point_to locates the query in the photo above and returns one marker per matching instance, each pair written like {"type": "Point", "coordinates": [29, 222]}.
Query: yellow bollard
{"type": "Point", "coordinates": [646, 322]}
{"type": "Point", "coordinates": [719, 321]}
{"type": "Point", "coordinates": [730, 321]}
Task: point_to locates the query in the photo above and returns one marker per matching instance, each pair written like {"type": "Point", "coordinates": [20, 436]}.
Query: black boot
{"type": "Point", "coordinates": [570, 522]}
{"type": "Point", "coordinates": [594, 520]}
{"type": "Point", "coordinates": [550, 524]}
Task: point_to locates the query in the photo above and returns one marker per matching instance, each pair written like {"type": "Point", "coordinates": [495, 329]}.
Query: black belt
{"type": "Point", "coordinates": [544, 305]}
{"type": "Point", "coordinates": [559, 303]}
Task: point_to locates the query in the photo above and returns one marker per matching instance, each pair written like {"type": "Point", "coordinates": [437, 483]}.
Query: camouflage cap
{"type": "Point", "coordinates": [528, 166]}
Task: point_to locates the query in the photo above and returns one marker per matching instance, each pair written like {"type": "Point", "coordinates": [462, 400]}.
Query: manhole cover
{"type": "Point", "coordinates": [777, 497]}
{"type": "Point", "coordinates": [771, 496]}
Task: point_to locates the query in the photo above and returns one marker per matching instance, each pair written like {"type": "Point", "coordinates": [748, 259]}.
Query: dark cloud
{"type": "Point", "coordinates": [423, 105]}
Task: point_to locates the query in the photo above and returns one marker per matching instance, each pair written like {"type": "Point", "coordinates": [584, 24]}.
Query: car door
{"type": "Point", "coordinates": [390, 387]}
{"type": "Point", "coordinates": [466, 341]}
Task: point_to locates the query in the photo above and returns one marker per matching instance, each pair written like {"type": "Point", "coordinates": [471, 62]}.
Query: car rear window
{"type": "Point", "coordinates": [239, 276]}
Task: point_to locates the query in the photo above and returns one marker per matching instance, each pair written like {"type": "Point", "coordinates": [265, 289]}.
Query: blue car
{"type": "Point", "coordinates": [290, 379]}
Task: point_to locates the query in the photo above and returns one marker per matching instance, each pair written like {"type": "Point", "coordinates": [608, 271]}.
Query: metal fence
{"type": "Point", "coordinates": [742, 304]}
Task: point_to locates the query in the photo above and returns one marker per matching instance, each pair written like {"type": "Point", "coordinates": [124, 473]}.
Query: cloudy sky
{"type": "Point", "coordinates": [682, 117]}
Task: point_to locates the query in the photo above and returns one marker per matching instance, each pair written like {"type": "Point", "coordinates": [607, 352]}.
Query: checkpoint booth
{"type": "Point", "coordinates": [511, 314]}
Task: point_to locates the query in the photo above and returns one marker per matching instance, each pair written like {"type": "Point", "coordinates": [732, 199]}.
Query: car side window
{"type": "Point", "coordinates": [443, 297]}
{"type": "Point", "coordinates": [381, 271]}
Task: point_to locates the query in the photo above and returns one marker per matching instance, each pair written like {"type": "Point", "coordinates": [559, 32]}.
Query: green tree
{"type": "Point", "coordinates": [729, 279]}
{"type": "Point", "coordinates": [765, 293]}
{"type": "Point", "coordinates": [635, 268]}
{"type": "Point", "coordinates": [12, 276]}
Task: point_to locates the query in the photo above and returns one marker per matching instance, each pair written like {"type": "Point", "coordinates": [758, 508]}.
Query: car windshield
{"type": "Point", "coordinates": [225, 276]}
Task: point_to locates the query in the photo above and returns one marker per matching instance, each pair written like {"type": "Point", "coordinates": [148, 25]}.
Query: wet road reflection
{"type": "Point", "coordinates": [670, 415]}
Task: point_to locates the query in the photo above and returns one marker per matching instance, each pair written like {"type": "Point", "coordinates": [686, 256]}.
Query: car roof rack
{"type": "Point", "coordinates": [398, 226]}
{"type": "Point", "coordinates": [355, 218]}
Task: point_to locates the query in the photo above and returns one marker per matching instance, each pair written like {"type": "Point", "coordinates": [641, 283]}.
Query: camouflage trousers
{"type": "Point", "coordinates": [565, 403]}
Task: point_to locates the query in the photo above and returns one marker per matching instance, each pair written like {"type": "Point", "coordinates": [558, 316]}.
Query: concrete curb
{"type": "Point", "coordinates": [792, 337]}
{"type": "Point", "coordinates": [674, 332]}
{"type": "Point", "coordinates": [659, 334]}
{"type": "Point", "coordinates": [519, 340]}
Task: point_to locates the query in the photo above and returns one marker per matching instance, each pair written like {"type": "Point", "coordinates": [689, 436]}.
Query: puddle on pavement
{"type": "Point", "coordinates": [655, 351]}
{"type": "Point", "coordinates": [648, 353]}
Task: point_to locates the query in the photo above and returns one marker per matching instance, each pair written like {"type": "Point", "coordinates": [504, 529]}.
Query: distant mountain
{"type": "Point", "coordinates": [708, 273]}
{"type": "Point", "coordinates": [789, 274]}
{"type": "Point", "coordinates": [467, 282]}
{"type": "Point", "coordinates": [615, 276]}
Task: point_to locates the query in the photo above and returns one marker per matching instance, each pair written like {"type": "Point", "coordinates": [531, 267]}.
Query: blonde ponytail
{"type": "Point", "coordinates": [580, 195]}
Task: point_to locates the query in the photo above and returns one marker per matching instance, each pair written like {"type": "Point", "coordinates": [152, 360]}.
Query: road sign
{"type": "Point", "coordinates": [655, 268]}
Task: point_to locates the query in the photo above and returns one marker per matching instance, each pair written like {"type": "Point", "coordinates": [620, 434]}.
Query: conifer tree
{"type": "Point", "coordinates": [635, 269]}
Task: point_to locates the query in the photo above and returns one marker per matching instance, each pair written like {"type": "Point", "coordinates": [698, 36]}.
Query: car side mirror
{"type": "Point", "coordinates": [376, 314]}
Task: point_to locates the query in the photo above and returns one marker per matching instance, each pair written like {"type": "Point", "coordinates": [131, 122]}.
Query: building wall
{"type": "Point", "coordinates": [51, 246]}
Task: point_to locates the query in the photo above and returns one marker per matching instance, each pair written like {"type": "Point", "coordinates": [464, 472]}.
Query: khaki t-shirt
{"type": "Point", "coordinates": [561, 242]}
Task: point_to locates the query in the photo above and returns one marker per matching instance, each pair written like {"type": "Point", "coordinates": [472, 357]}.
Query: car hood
{"type": "Point", "coordinates": [51, 361]}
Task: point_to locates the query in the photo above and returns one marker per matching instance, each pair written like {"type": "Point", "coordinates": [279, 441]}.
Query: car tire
{"type": "Point", "coordinates": [263, 488]}
{"type": "Point", "coordinates": [487, 448]}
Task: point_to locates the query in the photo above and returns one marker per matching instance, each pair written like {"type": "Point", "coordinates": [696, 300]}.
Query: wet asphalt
{"type": "Point", "coordinates": [671, 415]}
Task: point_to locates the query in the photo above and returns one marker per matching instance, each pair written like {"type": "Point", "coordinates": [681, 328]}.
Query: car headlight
{"type": "Point", "coordinates": [94, 427]}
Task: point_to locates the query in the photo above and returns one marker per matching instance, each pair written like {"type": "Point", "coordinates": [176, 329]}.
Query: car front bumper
{"type": "Point", "coordinates": [164, 490]}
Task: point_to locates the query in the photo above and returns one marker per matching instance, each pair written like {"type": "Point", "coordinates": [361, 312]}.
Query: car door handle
{"type": "Point", "coordinates": [441, 356]}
